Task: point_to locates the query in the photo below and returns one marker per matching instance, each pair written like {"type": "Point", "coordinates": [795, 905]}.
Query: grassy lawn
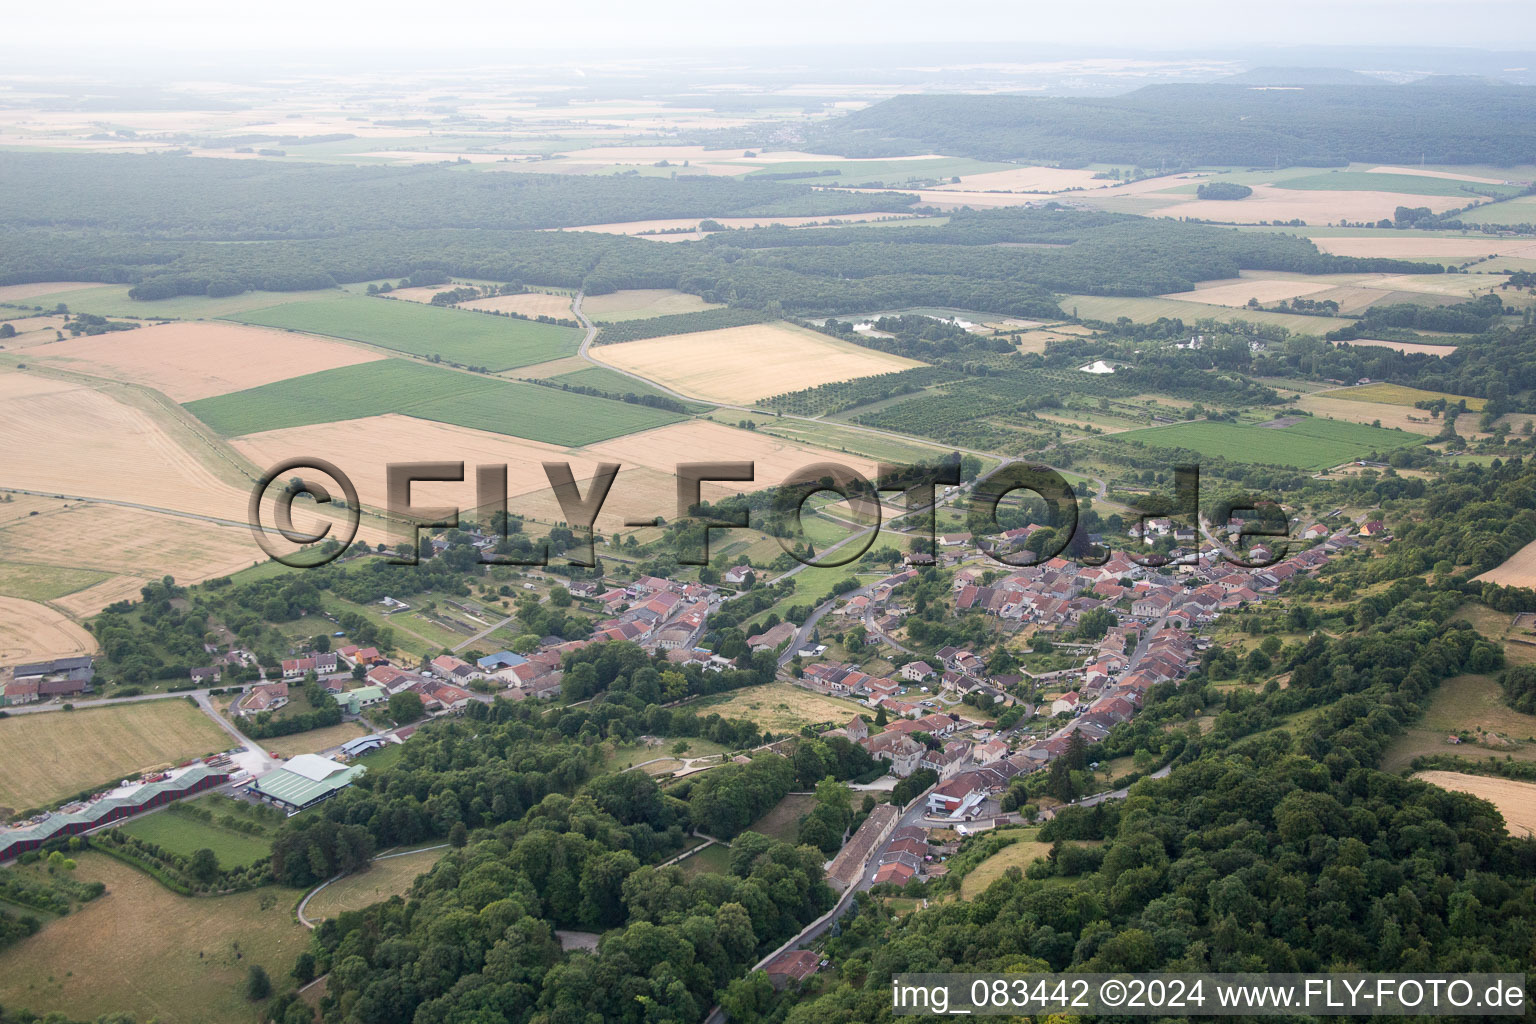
{"type": "Point", "coordinates": [53, 755]}
{"type": "Point", "coordinates": [779, 707]}
{"type": "Point", "coordinates": [381, 880]}
{"type": "Point", "coordinates": [1020, 854]}
{"type": "Point", "coordinates": [185, 835]}
{"type": "Point", "coordinates": [315, 740]}
{"type": "Point", "coordinates": [145, 951]}
{"type": "Point", "coordinates": [714, 859]}
{"type": "Point", "coordinates": [631, 754]}
{"type": "Point", "coordinates": [382, 758]}
{"type": "Point", "coordinates": [783, 821]}
{"type": "Point", "coordinates": [457, 335]}
{"type": "Point", "coordinates": [431, 393]}
{"type": "Point", "coordinates": [1310, 443]}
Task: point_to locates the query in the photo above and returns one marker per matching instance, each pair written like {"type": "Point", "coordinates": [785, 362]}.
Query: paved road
{"type": "Point", "coordinates": [81, 705]}
{"type": "Point", "coordinates": [268, 762]}
{"type": "Point", "coordinates": [130, 504]}
{"type": "Point", "coordinates": [1119, 794]}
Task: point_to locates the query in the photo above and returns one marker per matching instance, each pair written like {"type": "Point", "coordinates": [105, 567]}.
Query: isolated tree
{"type": "Point", "coordinates": [257, 985]}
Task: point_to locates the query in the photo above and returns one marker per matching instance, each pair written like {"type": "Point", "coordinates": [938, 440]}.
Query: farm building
{"type": "Point", "coordinates": [305, 781]}
{"type": "Point", "coordinates": [362, 745]}
{"type": "Point", "coordinates": [59, 678]}
{"type": "Point", "coordinates": [115, 806]}
{"type": "Point", "coordinates": [353, 701]}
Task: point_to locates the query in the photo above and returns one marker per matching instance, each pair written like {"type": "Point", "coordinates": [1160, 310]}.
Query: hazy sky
{"type": "Point", "coordinates": [353, 26]}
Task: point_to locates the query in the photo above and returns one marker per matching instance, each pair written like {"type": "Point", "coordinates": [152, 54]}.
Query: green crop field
{"type": "Point", "coordinates": [1511, 211]}
{"type": "Point", "coordinates": [113, 300]}
{"type": "Point", "coordinates": [1409, 184]}
{"type": "Point", "coordinates": [890, 172]}
{"type": "Point", "coordinates": [614, 382]}
{"type": "Point", "coordinates": [397, 386]}
{"type": "Point", "coordinates": [1308, 444]}
{"type": "Point", "coordinates": [457, 335]}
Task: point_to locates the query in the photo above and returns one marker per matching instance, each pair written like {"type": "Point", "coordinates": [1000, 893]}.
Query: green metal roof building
{"type": "Point", "coordinates": [305, 781]}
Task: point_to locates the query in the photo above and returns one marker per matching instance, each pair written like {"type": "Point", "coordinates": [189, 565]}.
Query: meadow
{"type": "Point", "coordinates": [50, 756]}
{"type": "Point", "coordinates": [782, 822]}
{"type": "Point", "coordinates": [186, 835]}
{"type": "Point", "coordinates": [141, 949]}
{"type": "Point", "coordinates": [447, 396]}
{"type": "Point", "coordinates": [779, 707]}
{"type": "Point", "coordinates": [375, 884]}
{"type": "Point", "coordinates": [635, 303]}
{"type": "Point", "coordinates": [1308, 444]}
{"type": "Point", "coordinates": [456, 335]}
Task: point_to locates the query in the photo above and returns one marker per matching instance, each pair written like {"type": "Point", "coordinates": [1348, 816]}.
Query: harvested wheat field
{"type": "Point", "coordinates": [32, 331]}
{"type": "Point", "coordinates": [1427, 247]}
{"type": "Point", "coordinates": [200, 359]}
{"type": "Point", "coordinates": [1236, 292]}
{"type": "Point", "coordinates": [1518, 570]}
{"type": "Point", "coordinates": [1405, 347]}
{"type": "Point", "coordinates": [1315, 207]}
{"type": "Point", "coordinates": [22, 292]}
{"type": "Point", "coordinates": [705, 441]}
{"type": "Point", "coordinates": [634, 303]}
{"type": "Point", "coordinates": [31, 632]}
{"type": "Point", "coordinates": [364, 447]}
{"type": "Point", "coordinates": [533, 304]}
{"type": "Point", "coordinates": [1027, 179]}
{"type": "Point", "coordinates": [1515, 800]}
{"type": "Point", "coordinates": [135, 545]}
{"type": "Point", "coordinates": [640, 227]}
{"type": "Point", "coordinates": [1399, 416]}
{"type": "Point", "coordinates": [744, 364]}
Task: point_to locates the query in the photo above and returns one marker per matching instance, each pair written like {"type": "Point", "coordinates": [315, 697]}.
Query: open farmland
{"type": "Point", "coordinates": [30, 631]}
{"type": "Point", "coordinates": [1408, 348]}
{"type": "Point", "coordinates": [533, 304]}
{"type": "Point", "coordinates": [1276, 203]}
{"type": "Point", "coordinates": [1408, 246]}
{"type": "Point", "coordinates": [1145, 310]}
{"type": "Point", "coordinates": [143, 950]}
{"type": "Point", "coordinates": [1408, 184]}
{"type": "Point", "coordinates": [744, 364]}
{"type": "Point", "coordinates": [1518, 570]}
{"type": "Point", "coordinates": [456, 335]}
{"type": "Point", "coordinates": [382, 879]}
{"type": "Point", "coordinates": [1329, 406]}
{"type": "Point", "coordinates": [635, 303]}
{"type": "Point", "coordinates": [122, 548]}
{"type": "Point", "coordinates": [779, 707]}
{"type": "Point", "coordinates": [1308, 444]}
{"type": "Point", "coordinates": [1398, 394]}
{"type": "Point", "coordinates": [1521, 210]}
{"type": "Point", "coordinates": [52, 755]}
{"type": "Point", "coordinates": [66, 439]}
{"type": "Point", "coordinates": [113, 300]}
{"type": "Point", "coordinates": [1516, 801]}
{"type": "Point", "coordinates": [398, 386]}
{"type": "Point", "coordinates": [188, 361]}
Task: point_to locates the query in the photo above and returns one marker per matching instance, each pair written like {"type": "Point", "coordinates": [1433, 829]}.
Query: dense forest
{"type": "Point", "coordinates": [470, 225]}
{"type": "Point", "coordinates": [1442, 121]}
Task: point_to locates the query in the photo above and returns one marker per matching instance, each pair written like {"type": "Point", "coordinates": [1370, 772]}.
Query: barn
{"type": "Point", "coordinates": [119, 804]}
{"type": "Point", "coordinates": [304, 781]}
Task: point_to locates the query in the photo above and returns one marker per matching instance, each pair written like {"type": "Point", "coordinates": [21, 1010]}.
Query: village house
{"type": "Point", "coordinates": [263, 697]}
